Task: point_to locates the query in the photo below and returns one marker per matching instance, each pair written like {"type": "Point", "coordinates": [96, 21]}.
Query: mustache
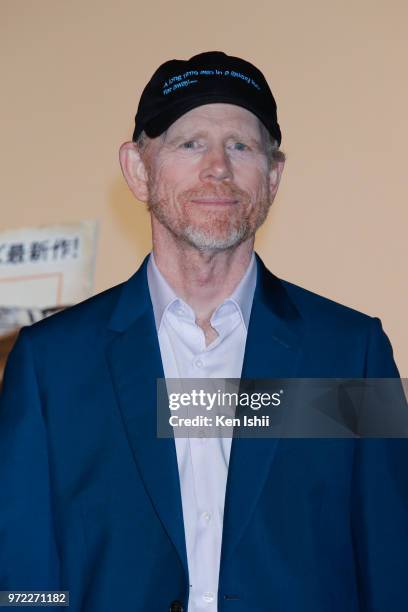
{"type": "Point", "coordinates": [221, 191]}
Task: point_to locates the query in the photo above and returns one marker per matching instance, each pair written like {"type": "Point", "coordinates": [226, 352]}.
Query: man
{"type": "Point", "coordinates": [94, 502]}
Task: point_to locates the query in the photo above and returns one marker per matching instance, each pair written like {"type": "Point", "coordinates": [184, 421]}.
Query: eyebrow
{"type": "Point", "coordinates": [186, 136]}
{"type": "Point", "coordinates": [202, 134]}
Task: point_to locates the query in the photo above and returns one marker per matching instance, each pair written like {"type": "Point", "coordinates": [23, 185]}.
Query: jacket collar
{"type": "Point", "coordinates": [134, 300]}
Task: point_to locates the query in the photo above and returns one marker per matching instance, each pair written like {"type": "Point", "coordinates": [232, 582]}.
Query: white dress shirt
{"type": "Point", "coordinates": [202, 462]}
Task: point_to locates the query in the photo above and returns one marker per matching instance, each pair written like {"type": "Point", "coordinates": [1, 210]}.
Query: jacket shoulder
{"type": "Point", "coordinates": [320, 310]}
{"type": "Point", "coordinates": [90, 314]}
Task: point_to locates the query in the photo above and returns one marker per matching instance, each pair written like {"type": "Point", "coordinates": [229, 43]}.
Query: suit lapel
{"type": "Point", "coordinates": [135, 364]}
{"type": "Point", "coordinates": [272, 351]}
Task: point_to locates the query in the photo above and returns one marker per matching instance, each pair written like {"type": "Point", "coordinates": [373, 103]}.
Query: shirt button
{"type": "Point", "coordinates": [180, 311]}
{"type": "Point", "coordinates": [206, 516]}
{"type": "Point", "coordinates": [208, 597]}
{"type": "Point", "coordinates": [199, 363]}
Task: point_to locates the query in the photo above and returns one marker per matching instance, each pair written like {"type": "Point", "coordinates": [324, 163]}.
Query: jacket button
{"type": "Point", "coordinates": [176, 606]}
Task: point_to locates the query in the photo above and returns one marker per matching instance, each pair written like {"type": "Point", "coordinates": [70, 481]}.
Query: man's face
{"type": "Point", "coordinates": [209, 180]}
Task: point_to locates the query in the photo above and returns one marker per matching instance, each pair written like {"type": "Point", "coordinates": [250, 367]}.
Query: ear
{"type": "Point", "coordinates": [275, 174]}
{"type": "Point", "coordinates": [134, 170]}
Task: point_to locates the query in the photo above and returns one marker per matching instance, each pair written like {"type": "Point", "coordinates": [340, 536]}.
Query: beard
{"type": "Point", "coordinates": [211, 228]}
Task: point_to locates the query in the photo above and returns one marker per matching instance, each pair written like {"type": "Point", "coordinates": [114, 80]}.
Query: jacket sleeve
{"type": "Point", "coordinates": [379, 501]}
{"type": "Point", "coordinates": [28, 549]}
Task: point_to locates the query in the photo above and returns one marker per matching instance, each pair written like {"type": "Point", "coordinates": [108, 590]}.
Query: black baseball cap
{"type": "Point", "coordinates": [178, 86]}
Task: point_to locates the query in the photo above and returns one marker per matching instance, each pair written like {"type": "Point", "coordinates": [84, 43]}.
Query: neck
{"type": "Point", "coordinates": [203, 279]}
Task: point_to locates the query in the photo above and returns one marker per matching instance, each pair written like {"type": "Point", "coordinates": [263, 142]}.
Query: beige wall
{"type": "Point", "coordinates": [73, 71]}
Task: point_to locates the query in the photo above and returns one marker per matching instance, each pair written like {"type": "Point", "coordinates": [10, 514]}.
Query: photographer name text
{"type": "Point", "coordinates": [201, 421]}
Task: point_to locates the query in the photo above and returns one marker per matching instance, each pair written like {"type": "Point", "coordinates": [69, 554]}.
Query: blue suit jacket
{"type": "Point", "coordinates": [90, 498]}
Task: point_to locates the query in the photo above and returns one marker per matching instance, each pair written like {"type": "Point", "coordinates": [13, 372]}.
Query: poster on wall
{"type": "Point", "coordinates": [44, 269]}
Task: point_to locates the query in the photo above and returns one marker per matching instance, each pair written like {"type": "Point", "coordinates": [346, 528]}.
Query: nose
{"type": "Point", "coordinates": [216, 165]}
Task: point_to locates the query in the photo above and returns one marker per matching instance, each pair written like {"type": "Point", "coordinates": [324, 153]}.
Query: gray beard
{"type": "Point", "coordinates": [203, 242]}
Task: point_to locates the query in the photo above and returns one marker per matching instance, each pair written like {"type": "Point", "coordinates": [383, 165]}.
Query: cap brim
{"type": "Point", "coordinates": [161, 122]}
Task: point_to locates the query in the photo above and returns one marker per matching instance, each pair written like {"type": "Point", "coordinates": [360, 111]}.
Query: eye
{"type": "Point", "coordinates": [189, 144]}
{"type": "Point", "coordinates": [240, 146]}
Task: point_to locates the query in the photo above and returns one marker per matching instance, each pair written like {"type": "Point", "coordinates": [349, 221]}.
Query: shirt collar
{"type": "Point", "coordinates": [162, 294]}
